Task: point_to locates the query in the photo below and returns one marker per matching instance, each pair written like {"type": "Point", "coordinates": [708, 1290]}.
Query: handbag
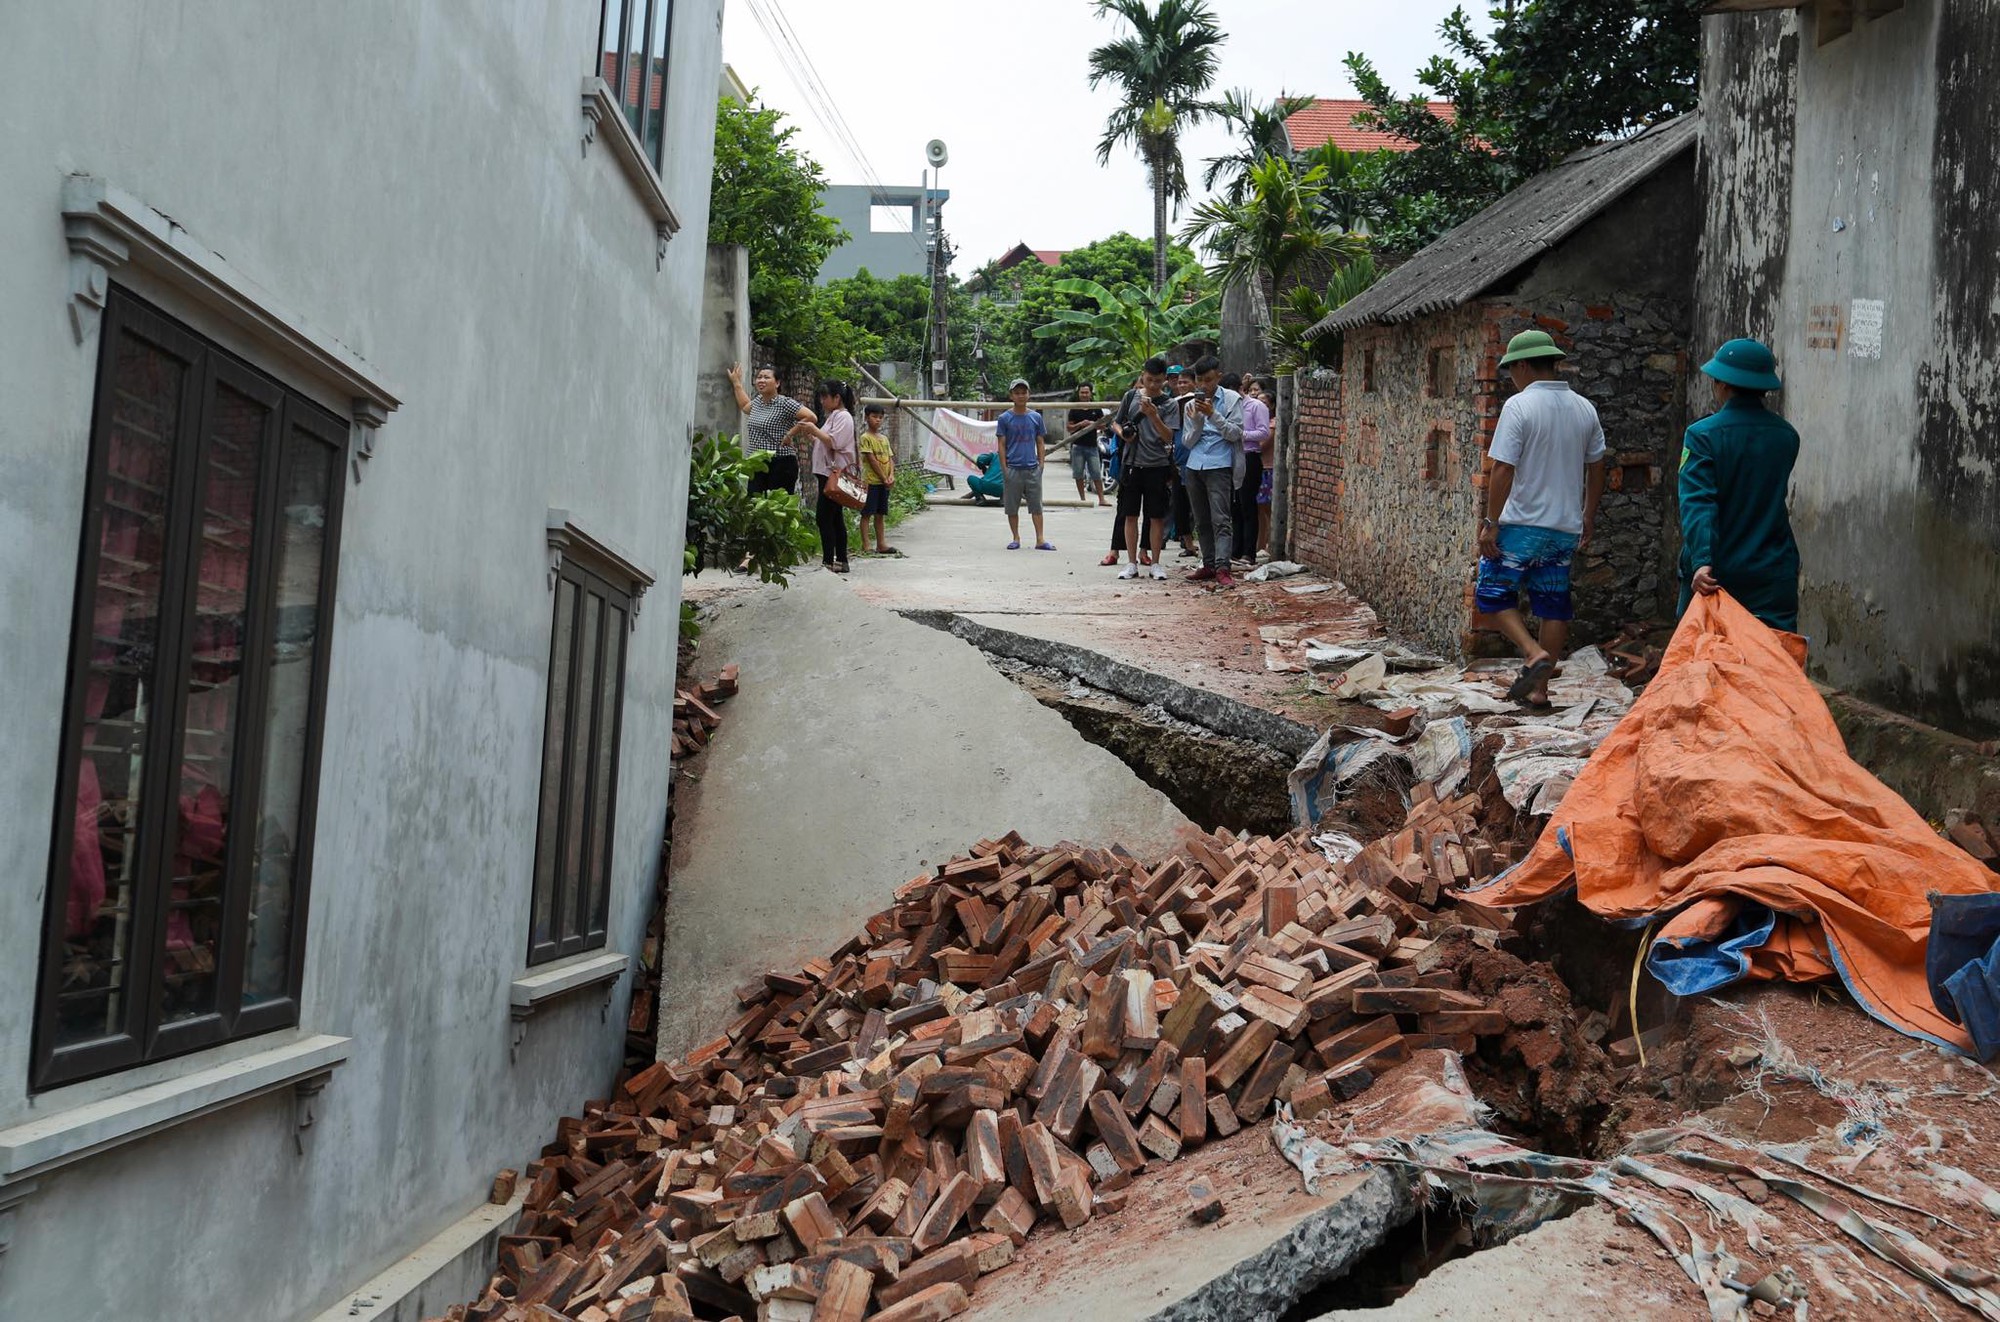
{"type": "Point", "coordinates": [846, 490]}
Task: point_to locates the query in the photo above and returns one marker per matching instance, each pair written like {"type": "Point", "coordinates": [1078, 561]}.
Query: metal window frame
{"type": "Point", "coordinates": [622, 46]}
{"type": "Point", "coordinates": [576, 931]}
{"type": "Point", "coordinates": [143, 1038]}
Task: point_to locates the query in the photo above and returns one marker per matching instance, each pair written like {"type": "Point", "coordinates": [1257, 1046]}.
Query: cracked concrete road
{"type": "Point", "coordinates": [862, 750]}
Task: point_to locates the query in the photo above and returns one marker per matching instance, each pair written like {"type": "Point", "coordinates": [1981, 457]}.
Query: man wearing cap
{"type": "Point", "coordinates": [1736, 468]}
{"type": "Point", "coordinates": [1023, 441]}
{"type": "Point", "coordinates": [1541, 503]}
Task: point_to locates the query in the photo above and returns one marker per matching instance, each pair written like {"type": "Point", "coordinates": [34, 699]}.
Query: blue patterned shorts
{"type": "Point", "coordinates": [1537, 559]}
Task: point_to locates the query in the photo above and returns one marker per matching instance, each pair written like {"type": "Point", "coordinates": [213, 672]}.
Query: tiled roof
{"type": "Point", "coordinates": [1049, 256]}
{"type": "Point", "coordinates": [1333, 120]}
{"type": "Point", "coordinates": [1487, 249]}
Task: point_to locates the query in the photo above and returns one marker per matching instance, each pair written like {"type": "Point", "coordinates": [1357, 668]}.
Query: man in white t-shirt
{"type": "Point", "coordinates": [1541, 504]}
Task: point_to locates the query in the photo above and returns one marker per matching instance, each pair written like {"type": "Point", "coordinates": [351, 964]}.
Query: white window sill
{"type": "Point", "coordinates": [603, 115]}
{"type": "Point", "coordinates": [51, 1142]}
{"type": "Point", "coordinates": [532, 990]}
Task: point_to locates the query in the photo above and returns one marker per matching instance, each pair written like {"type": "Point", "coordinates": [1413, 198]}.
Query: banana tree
{"type": "Point", "coordinates": [1107, 344]}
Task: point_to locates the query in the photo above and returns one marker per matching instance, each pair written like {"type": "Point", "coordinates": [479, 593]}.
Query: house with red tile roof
{"type": "Point", "coordinates": [1332, 120]}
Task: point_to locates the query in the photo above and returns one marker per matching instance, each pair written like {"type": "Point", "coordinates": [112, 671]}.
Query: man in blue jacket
{"type": "Point", "coordinates": [1736, 469]}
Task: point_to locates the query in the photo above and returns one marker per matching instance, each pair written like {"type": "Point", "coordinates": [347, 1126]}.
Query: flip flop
{"type": "Point", "coordinates": [1525, 682]}
{"type": "Point", "coordinates": [1013, 546]}
{"type": "Point", "coordinates": [887, 550]}
{"type": "Point", "coordinates": [1045, 546]}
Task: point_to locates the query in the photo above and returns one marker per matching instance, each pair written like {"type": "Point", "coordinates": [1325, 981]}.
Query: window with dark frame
{"type": "Point", "coordinates": [632, 39]}
{"type": "Point", "coordinates": [575, 824]}
{"type": "Point", "coordinates": [1368, 371]}
{"type": "Point", "coordinates": [189, 761]}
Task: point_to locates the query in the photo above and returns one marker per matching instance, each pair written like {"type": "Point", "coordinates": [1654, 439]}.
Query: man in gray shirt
{"type": "Point", "coordinates": [1541, 503]}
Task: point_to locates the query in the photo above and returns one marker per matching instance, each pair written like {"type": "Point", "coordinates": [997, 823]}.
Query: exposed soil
{"type": "Point", "coordinates": [1215, 780]}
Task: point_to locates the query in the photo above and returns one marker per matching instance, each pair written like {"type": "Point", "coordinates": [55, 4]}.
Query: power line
{"type": "Point", "coordinates": [792, 52]}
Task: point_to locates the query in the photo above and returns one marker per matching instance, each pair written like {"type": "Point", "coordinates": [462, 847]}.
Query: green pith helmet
{"type": "Point", "coordinates": [1531, 344]}
{"type": "Point", "coordinates": [1746, 364]}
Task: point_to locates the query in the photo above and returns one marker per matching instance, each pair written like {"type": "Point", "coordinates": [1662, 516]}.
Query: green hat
{"type": "Point", "coordinates": [1531, 344]}
{"type": "Point", "coordinates": [1747, 364]}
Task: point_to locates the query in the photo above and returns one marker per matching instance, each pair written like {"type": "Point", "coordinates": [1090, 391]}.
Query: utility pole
{"type": "Point", "coordinates": [939, 348]}
{"type": "Point", "coordinates": [979, 356]}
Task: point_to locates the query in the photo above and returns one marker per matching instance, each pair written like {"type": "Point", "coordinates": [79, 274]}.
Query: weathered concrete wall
{"type": "Point", "coordinates": [884, 254]}
{"type": "Point", "coordinates": [1849, 191]}
{"type": "Point", "coordinates": [725, 339]}
{"type": "Point", "coordinates": [411, 179]}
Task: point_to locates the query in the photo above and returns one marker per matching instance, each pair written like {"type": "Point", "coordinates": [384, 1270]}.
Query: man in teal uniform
{"type": "Point", "coordinates": [1736, 468]}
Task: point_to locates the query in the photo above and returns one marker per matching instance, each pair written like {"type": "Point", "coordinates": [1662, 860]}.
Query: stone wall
{"type": "Point", "coordinates": [1392, 459]}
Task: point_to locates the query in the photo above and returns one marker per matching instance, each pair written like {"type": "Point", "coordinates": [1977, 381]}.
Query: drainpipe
{"type": "Point", "coordinates": [1285, 447]}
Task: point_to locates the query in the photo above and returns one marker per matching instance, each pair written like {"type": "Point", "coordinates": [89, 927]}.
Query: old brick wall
{"type": "Point", "coordinates": [1318, 464]}
{"type": "Point", "coordinates": [1388, 457]}
{"type": "Point", "coordinates": [1392, 456]}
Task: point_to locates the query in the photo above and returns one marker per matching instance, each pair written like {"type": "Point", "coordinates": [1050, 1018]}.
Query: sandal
{"type": "Point", "coordinates": [1111, 559]}
{"type": "Point", "coordinates": [1530, 676]}
{"type": "Point", "coordinates": [887, 550]}
{"type": "Point", "coordinates": [1045, 546]}
{"type": "Point", "coordinates": [1013, 546]}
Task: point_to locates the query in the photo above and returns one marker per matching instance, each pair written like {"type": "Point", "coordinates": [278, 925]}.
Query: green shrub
{"type": "Point", "coordinates": [727, 527]}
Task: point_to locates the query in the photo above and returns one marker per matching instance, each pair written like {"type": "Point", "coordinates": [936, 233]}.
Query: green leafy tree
{"type": "Point", "coordinates": [765, 196]}
{"type": "Point", "coordinates": [1305, 306]}
{"type": "Point", "coordinates": [1260, 134]}
{"type": "Point", "coordinates": [1127, 325]}
{"type": "Point", "coordinates": [1555, 76]}
{"type": "Point", "coordinates": [727, 526]}
{"type": "Point", "coordinates": [1161, 69]}
{"type": "Point", "coordinates": [1278, 231]}
{"type": "Point", "coordinates": [892, 310]}
{"type": "Point", "coordinates": [1120, 259]}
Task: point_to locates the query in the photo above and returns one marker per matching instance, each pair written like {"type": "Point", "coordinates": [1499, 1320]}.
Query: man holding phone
{"type": "Point", "coordinates": [1213, 431]}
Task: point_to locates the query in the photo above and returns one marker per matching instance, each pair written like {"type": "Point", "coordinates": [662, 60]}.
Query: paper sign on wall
{"type": "Point", "coordinates": [1864, 327]}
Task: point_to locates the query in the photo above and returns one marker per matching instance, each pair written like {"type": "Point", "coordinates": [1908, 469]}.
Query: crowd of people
{"type": "Point", "coordinates": [773, 424]}
{"type": "Point", "coordinates": [1187, 448]}
{"type": "Point", "coordinates": [1184, 450]}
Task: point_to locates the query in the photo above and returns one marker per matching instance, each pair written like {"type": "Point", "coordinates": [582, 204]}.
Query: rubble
{"type": "Point", "coordinates": [1011, 1043]}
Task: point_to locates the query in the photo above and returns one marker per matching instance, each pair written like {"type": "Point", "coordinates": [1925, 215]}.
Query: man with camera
{"type": "Point", "coordinates": [1147, 467]}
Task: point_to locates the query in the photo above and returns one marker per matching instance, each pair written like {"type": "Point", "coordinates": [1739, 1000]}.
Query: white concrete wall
{"type": "Point", "coordinates": [409, 175]}
{"type": "Point", "coordinates": [1839, 177]}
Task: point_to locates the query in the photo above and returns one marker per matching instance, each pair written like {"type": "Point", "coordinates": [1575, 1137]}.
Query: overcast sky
{"type": "Point", "coordinates": [1005, 84]}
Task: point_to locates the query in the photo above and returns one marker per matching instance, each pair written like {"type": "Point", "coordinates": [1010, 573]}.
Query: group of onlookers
{"type": "Point", "coordinates": [1188, 457]}
{"type": "Point", "coordinates": [772, 423]}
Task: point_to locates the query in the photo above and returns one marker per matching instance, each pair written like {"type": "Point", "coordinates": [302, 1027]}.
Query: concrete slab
{"type": "Point", "coordinates": [862, 750]}
{"type": "Point", "coordinates": [1274, 1243]}
{"type": "Point", "coordinates": [1575, 1267]}
{"type": "Point", "coordinates": [955, 561]}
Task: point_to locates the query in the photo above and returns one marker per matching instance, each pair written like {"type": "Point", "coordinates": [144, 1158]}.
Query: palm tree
{"type": "Point", "coordinates": [1260, 130]}
{"type": "Point", "coordinates": [1107, 344]}
{"type": "Point", "coordinates": [1161, 70]}
{"type": "Point", "coordinates": [1277, 230]}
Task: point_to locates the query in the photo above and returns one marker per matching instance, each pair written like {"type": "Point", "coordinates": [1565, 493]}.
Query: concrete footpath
{"type": "Point", "coordinates": [862, 750]}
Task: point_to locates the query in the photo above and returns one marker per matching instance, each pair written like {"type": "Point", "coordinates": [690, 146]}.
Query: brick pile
{"type": "Point", "coordinates": [1009, 1044]}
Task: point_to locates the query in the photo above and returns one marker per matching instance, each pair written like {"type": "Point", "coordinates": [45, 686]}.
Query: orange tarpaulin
{"type": "Point", "coordinates": [1725, 797]}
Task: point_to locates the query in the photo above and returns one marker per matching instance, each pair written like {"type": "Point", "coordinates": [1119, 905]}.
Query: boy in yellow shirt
{"type": "Point", "coordinates": [879, 461]}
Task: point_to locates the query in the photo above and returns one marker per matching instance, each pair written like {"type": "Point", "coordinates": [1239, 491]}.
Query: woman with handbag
{"type": "Point", "coordinates": [837, 467]}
